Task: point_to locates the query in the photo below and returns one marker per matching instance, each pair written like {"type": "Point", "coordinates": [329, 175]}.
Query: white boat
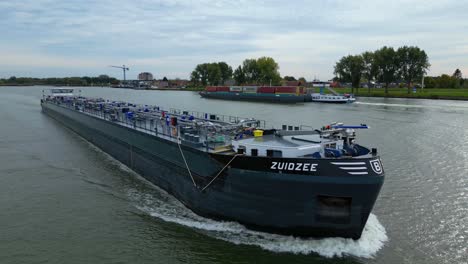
{"type": "Point", "coordinates": [333, 98]}
{"type": "Point", "coordinates": [317, 83]}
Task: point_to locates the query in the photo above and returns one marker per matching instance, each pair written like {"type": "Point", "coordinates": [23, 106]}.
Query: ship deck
{"type": "Point", "coordinates": [155, 125]}
{"type": "Point", "coordinates": [284, 146]}
{"type": "Point", "coordinates": [210, 133]}
{"type": "Point", "coordinates": [284, 141]}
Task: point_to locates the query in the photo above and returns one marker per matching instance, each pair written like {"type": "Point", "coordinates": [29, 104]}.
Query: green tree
{"type": "Point", "coordinates": [446, 81]}
{"type": "Point", "coordinates": [250, 70]}
{"type": "Point", "coordinates": [195, 78]}
{"type": "Point", "coordinates": [239, 76]}
{"type": "Point", "coordinates": [412, 64]}
{"type": "Point", "coordinates": [87, 80]}
{"type": "Point", "coordinates": [458, 78]}
{"type": "Point", "coordinates": [102, 79]}
{"type": "Point", "coordinates": [226, 71]}
{"type": "Point", "coordinates": [262, 71]}
{"type": "Point", "coordinates": [199, 76]}
{"type": "Point", "coordinates": [370, 68]}
{"type": "Point", "coordinates": [457, 74]}
{"type": "Point", "coordinates": [387, 65]}
{"type": "Point", "coordinates": [350, 69]}
{"type": "Point", "coordinates": [214, 74]}
{"type": "Point", "coordinates": [302, 81]}
{"type": "Point", "coordinates": [268, 71]}
{"type": "Point", "coordinates": [289, 78]}
{"type": "Point", "coordinates": [429, 82]}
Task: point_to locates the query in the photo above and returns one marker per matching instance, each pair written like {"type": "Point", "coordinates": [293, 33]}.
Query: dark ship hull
{"type": "Point", "coordinates": [294, 196]}
{"type": "Point", "coordinates": [255, 97]}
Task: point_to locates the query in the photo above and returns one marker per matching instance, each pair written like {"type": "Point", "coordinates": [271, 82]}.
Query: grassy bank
{"type": "Point", "coordinates": [453, 94]}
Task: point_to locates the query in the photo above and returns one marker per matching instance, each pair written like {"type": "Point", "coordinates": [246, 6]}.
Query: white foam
{"type": "Point", "coordinates": [396, 105]}
{"type": "Point", "coordinates": [372, 240]}
{"type": "Point", "coordinates": [440, 107]}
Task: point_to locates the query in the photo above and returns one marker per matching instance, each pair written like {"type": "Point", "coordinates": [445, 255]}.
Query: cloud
{"type": "Point", "coordinates": [170, 37]}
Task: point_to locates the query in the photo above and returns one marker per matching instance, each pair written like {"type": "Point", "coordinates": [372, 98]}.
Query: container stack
{"type": "Point", "coordinates": [266, 90]}
{"type": "Point", "coordinates": [285, 94]}
{"type": "Point", "coordinates": [249, 89]}
{"type": "Point", "coordinates": [235, 89]}
{"type": "Point", "coordinates": [289, 90]}
{"type": "Point", "coordinates": [222, 89]}
{"type": "Point", "coordinates": [217, 88]}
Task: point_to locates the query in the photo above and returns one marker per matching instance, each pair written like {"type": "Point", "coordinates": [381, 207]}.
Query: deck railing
{"type": "Point", "coordinates": [153, 123]}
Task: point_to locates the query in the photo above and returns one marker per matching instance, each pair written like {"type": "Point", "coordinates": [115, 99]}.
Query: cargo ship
{"type": "Point", "coordinates": [289, 180]}
{"type": "Point", "coordinates": [279, 94]}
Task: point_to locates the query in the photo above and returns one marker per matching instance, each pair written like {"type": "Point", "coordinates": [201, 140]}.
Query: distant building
{"type": "Point", "coordinates": [335, 85]}
{"type": "Point", "coordinates": [165, 83]}
{"type": "Point", "coordinates": [145, 76]}
{"type": "Point", "coordinates": [160, 83]}
{"type": "Point", "coordinates": [317, 83]}
{"type": "Point", "coordinates": [178, 83]}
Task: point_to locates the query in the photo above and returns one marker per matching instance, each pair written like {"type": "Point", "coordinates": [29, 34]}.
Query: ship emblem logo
{"type": "Point", "coordinates": [376, 166]}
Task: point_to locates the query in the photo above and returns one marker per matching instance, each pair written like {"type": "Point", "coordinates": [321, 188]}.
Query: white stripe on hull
{"type": "Point", "coordinates": [348, 163]}
{"type": "Point", "coordinates": [358, 172]}
{"type": "Point", "coordinates": [353, 168]}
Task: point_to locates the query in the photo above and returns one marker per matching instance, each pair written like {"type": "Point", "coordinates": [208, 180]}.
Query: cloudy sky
{"type": "Point", "coordinates": [45, 38]}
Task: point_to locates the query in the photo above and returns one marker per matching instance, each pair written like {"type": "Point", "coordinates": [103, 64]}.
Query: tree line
{"type": "Point", "coordinates": [215, 73]}
{"type": "Point", "coordinates": [301, 80]}
{"type": "Point", "coordinates": [446, 81]}
{"type": "Point", "coordinates": [101, 80]}
{"type": "Point", "coordinates": [385, 65]}
{"type": "Point", "coordinates": [261, 71]}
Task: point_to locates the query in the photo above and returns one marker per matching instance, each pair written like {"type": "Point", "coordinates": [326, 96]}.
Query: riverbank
{"type": "Point", "coordinates": [47, 85]}
{"type": "Point", "coordinates": [441, 93]}
{"type": "Point", "coordinates": [195, 89]}
{"type": "Point", "coordinates": [445, 94]}
{"type": "Point", "coordinates": [3, 84]}
{"type": "Point", "coordinates": [178, 89]}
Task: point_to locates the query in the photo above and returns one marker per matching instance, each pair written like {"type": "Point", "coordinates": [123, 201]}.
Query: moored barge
{"type": "Point", "coordinates": [275, 94]}
{"type": "Point", "coordinates": [291, 181]}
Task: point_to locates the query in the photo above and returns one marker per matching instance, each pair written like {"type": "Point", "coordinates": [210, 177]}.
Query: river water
{"type": "Point", "coordinates": [62, 200]}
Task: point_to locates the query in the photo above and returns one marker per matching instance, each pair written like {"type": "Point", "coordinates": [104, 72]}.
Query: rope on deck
{"type": "Point", "coordinates": [219, 173]}
{"type": "Point", "coordinates": [190, 172]}
{"type": "Point", "coordinates": [185, 161]}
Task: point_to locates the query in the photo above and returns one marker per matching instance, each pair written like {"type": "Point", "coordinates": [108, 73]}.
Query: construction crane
{"type": "Point", "coordinates": [123, 68]}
